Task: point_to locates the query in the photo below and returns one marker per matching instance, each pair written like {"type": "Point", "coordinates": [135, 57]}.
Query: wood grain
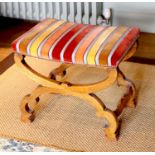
{"type": "Point", "coordinates": [146, 47]}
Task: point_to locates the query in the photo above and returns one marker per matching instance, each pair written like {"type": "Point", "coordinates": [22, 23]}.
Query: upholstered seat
{"type": "Point", "coordinates": [74, 43]}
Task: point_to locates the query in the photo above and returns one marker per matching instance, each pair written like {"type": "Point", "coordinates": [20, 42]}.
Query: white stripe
{"type": "Point", "coordinates": [75, 34]}
{"type": "Point", "coordinates": [52, 47]}
{"type": "Point", "coordinates": [50, 34]}
{"type": "Point", "coordinates": [79, 44]}
{"type": "Point", "coordinates": [17, 45]}
{"type": "Point", "coordinates": [116, 45]}
{"type": "Point", "coordinates": [102, 47]}
{"type": "Point", "coordinates": [31, 42]}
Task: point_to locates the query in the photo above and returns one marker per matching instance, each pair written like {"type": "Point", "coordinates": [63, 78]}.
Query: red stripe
{"type": "Point", "coordinates": [123, 46]}
{"type": "Point", "coordinates": [57, 50]}
{"type": "Point", "coordinates": [69, 50]}
{"type": "Point", "coordinates": [13, 45]}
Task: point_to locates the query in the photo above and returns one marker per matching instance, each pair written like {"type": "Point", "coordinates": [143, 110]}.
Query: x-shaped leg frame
{"type": "Point", "coordinates": [56, 84]}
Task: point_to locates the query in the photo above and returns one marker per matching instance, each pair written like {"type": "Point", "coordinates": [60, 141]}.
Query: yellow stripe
{"type": "Point", "coordinates": [96, 46]}
{"type": "Point", "coordinates": [36, 43]}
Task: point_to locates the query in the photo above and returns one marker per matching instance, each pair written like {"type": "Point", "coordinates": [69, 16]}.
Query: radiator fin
{"type": "Point", "coordinates": [80, 12]}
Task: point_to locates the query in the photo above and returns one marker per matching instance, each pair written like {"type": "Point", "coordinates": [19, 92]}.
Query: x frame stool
{"type": "Point", "coordinates": [55, 84]}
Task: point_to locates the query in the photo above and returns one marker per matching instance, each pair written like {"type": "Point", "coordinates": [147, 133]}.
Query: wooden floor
{"type": "Point", "coordinates": [10, 29]}
{"type": "Point", "coordinates": [146, 50]}
{"type": "Point", "coordinates": [6, 59]}
{"type": "Point", "coordinates": [146, 46]}
{"type": "Point", "coordinates": [4, 53]}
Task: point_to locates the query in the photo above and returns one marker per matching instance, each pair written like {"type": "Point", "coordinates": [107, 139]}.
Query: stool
{"type": "Point", "coordinates": [78, 44]}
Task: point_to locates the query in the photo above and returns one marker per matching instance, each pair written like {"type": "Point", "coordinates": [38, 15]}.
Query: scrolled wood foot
{"type": "Point", "coordinates": [28, 113]}
{"type": "Point", "coordinates": [112, 127]}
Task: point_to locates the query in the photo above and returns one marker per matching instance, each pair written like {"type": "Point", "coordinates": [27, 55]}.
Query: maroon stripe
{"type": "Point", "coordinates": [57, 49]}
{"type": "Point", "coordinates": [69, 50]}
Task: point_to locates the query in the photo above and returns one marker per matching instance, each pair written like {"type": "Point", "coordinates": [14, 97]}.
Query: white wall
{"type": "Point", "coordinates": [140, 14]}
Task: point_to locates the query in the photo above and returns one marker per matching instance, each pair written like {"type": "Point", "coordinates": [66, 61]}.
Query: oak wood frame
{"type": "Point", "coordinates": [56, 83]}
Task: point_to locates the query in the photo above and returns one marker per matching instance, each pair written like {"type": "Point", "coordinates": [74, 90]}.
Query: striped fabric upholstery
{"type": "Point", "coordinates": [69, 42]}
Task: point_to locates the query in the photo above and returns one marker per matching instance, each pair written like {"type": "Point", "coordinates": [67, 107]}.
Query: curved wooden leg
{"type": "Point", "coordinates": [27, 113]}
{"type": "Point", "coordinates": [45, 81]}
{"type": "Point", "coordinates": [129, 98]}
{"type": "Point", "coordinates": [29, 102]}
{"type": "Point", "coordinates": [29, 105]}
{"type": "Point", "coordinates": [112, 128]}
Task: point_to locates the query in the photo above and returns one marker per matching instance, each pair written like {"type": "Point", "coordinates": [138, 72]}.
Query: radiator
{"type": "Point", "coordinates": [80, 12]}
